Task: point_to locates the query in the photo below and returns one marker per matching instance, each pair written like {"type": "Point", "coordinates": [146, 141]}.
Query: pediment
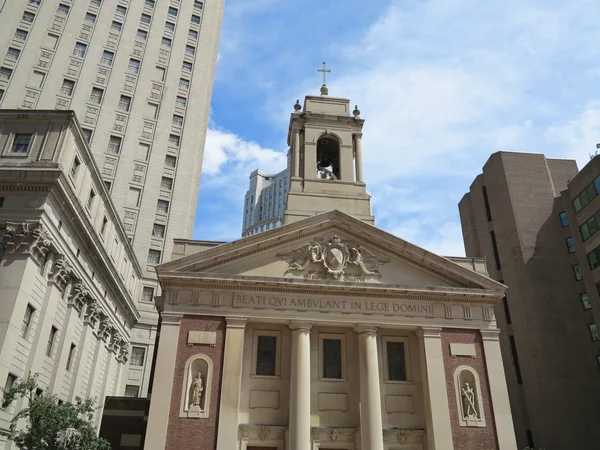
{"type": "Point", "coordinates": [330, 247]}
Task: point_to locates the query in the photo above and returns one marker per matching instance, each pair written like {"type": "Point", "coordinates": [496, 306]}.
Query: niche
{"type": "Point", "coordinates": [468, 395]}
{"type": "Point", "coordinates": [197, 386]}
{"type": "Point", "coordinates": [328, 158]}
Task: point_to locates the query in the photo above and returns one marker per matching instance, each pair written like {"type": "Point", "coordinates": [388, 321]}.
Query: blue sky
{"type": "Point", "coordinates": [442, 84]}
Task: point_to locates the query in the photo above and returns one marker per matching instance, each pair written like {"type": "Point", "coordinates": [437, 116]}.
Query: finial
{"type": "Point", "coordinates": [297, 106]}
{"type": "Point", "coordinates": [325, 70]}
{"type": "Point", "coordinates": [356, 112]}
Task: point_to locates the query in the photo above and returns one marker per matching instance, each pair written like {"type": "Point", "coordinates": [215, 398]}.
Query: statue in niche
{"type": "Point", "coordinates": [469, 409]}
{"type": "Point", "coordinates": [197, 388]}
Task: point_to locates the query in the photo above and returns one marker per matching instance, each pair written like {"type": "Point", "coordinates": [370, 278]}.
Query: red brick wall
{"type": "Point", "coordinates": [200, 434]}
{"type": "Point", "coordinates": [468, 438]}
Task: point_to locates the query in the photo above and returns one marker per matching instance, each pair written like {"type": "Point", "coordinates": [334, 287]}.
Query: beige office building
{"type": "Point", "coordinates": [326, 332]}
{"type": "Point", "coordinates": [534, 219]}
{"type": "Point", "coordinates": [68, 274]}
{"type": "Point", "coordinates": [138, 75]}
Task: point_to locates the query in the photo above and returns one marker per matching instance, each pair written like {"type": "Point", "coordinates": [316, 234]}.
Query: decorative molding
{"type": "Point", "coordinates": [27, 237]}
{"type": "Point", "coordinates": [429, 332]}
{"type": "Point", "coordinates": [342, 436]}
{"type": "Point", "coordinates": [262, 435]}
{"type": "Point", "coordinates": [79, 296]}
{"type": "Point", "coordinates": [414, 437]}
{"type": "Point", "coordinates": [490, 334]}
{"type": "Point", "coordinates": [93, 312]}
{"type": "Point", "coordinates": [62, 272]}
{"type": "Point", "coordinates": [335, 257]}
{"type": "Point", "coordinates": [236, 322]}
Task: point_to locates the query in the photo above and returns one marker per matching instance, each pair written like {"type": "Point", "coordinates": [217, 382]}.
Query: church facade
{"type": "Point", "coordinates": [327, 333]}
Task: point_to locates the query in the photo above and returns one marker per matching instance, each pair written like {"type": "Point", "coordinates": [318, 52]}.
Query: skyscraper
{"type": "Point", "coordinates": [139, 77]}
{"type": "Point", "coordinates": [533, 218]}
{"type": "Point", "coordinates": [264, 203]}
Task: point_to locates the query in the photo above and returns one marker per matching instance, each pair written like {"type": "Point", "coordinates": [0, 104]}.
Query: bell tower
{"type": "Point", "coordinates": [325, 159]}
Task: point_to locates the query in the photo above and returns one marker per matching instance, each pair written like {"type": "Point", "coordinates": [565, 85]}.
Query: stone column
{"type": "Point", "coordinates": [371, 425]}
{"type": "Point", "coordinates": [439, 429]}
{"type": "Point", "coordinates": [498, 390]}
{"type": "Point", "coordinates": [296, 173]}
{"type": "Point", "coordinates": [299, 421]}
{"type": "Point", "coordinates": [358, 156]}
{"type": "Point", "coordinates": [164, 373]}
{"type": "Point", "coordinates": [231, 383]}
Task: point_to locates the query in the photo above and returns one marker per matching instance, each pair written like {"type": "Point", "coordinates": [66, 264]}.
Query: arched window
{"type": "Point", "coordinates": [328, 158]}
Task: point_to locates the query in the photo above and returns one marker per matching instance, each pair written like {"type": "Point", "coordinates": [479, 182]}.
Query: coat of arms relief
{"type": "Point", "coordinates": [336, 259]}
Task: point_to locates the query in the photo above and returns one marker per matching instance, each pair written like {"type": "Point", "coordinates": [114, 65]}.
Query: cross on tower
{"type": "Point", "coordinates": [325, 71]}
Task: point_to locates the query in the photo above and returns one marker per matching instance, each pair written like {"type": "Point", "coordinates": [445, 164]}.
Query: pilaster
{"type": "Point", "coordinates": [299, 421]}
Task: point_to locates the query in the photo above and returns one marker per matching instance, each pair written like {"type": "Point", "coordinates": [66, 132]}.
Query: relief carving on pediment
{"type": "Point", "coordinates": [335, 259]}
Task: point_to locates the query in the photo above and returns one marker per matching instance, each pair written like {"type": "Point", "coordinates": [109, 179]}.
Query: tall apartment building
{"type": "Point", "coordinates": [264, 203]}
{"type": "Point", "coordinates": [534, 219]}
{"type": "Point", "coordinates": [139, 77]}
{"type": "Point", "coordinates": [68, 273]}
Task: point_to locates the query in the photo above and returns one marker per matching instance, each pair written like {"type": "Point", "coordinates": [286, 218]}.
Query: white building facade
{"type": "Point", "coordinates": [265, 201]}
{"type": "Point", "coordinates": [139, 77]}
{"type": "Point", "coordinates": [68, 274]}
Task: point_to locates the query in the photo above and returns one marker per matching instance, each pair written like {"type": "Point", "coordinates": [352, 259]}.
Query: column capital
{"type": "Point", "coordinates": [490, 334]}
{"type": "Point", "coordinates": [300, 325]}
{"type": "Point", "coordinates": [236, 322]}
{"type": "Point", "coordinates": [366, 328]}
{"type": "Point", "coordinates": [358, 135]}
{"type": "Point", "coordinates": [170, 319]}
{"type": "Point", "coordinates": [429, 332]}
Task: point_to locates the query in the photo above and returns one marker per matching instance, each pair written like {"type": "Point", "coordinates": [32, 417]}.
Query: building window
{"type": "Point", "coordinates": [594, 332]}
{"type": "Point", "coordinates": [184, 84]}
{"type": "Point", "coordinates": [186, 66]}
{"type": "Point", "coordinates": [486, 201]}
{"type": "Point", "coordinates": [20, 35]}
{"type": "Point", "coordinates": [166, 183]}
{"type": "Point", "coordinates": [153, 256]}
{"type": "Point", "coordinates": [585, 301]}
{"type": "Point", "coordinates": [107, 58]}
{"type": "Point", "coordinates": [21, 143]}
{"type": "Point", "coordinates": [116, 26]}
{"type": "Point", "coordinates": [587, 195]}
{"type": "Point", "coordinates": [172, 11]}
{"type": "Point", "coordinates": [530, 442]}
{"type": "Point", "coordinates": [495, 249]}
{"type": "Point", "coordinates": [134, 66]}
{"type": "Point", "coordinates": [577, 272]}
{"type": "Point", "coordinates": [67, 87]}
{"type": "Point", "coordinates": [166, 42]}
{"type": "Point", "coordinates": [590, 226]}
{"type": "Point", "coordinates": [96, 3]}
{"type": "Point", "coordinates": [594, 258]}
{"type": "Point", "coordinates": [25, 326]}
{"type": "Point", "coordinates": [193, 34]}
{"type": "Point", "coordinates": [71, 356]}
{"type": "Point", "coordinates": [75, 167]}
{"type": "Point", "coordinates": [63, 10]}
{"type": "Point", "coordinates": [189, 50]}
{"type": "Point", "coordinates": [107, 185]}
{"type": "Point", "coordinates": [148, 294]}
{"type": "Point", "coordinates": [142, 35]}
{"type": "Point", "coordinates": [121, 10]}
{"type": "Point", "coordinates": [162, 207]}
{"type": "Point", "coordinates": [13, 53]}
{"type": "Point", "coordinates": [137, 356]}
{"type": "Point", "coordinates": [331, 356]}
{"type": "Point", "coordinates": [124, 103]}
{"type": "Point", "coordinates": [145, 18]}
{"type": "Point", "coordinates": [132, 391]}
{"type": "Point", "coordinates": [174, 140]}
{"type": "Point", "coordinates": [51, 340]}
{"type": "Point", "coordinates": [149, 3]}
{"type": "Point", "coordinates": [90, 201]}
{"type": "Point", "coordinates": [177, 121]}
{"type": "Point", "coordinates": [103, 227]}
{"type": "Point", "coordinates": [10, 381]}
{"type": "Point", "coordinates": [506, 310]}
{"type": "Point", "coordinates": [266, 354]}
{"type": "Point", "coordinates": [96, 96]}
{"type": "Point", "coordinates": [133, 197]}
{"type": "Point", "coordinates": [114, 144]}
{"type": "Point", "coordinates": [158, 231]}
{"type": "Point", "coordinates": [395, 354]}
{"type": "Point", "coordinates": [169, 26]}
{"type": "Point", "coordinates": [35, 2]}
{"type": "Point", "coordinates": [6, 73]}
{"type": "Point", "coordinates": [90, 18]}
{"type": "Point", "coordinates": [87, 134]}
{"type": "Point", "coordinates": [180, 102]}
{"type": "Point", "coordinates": [515, 357]}
{"type": "Point", "coordinates": [80, 49]}
{"type": "Point", "coordinates": [197, 4]}
{"type": "Point", "coordinates": [170, 161]}
{"type": "Point", "coordinates": [570, 245]}
{"type": "Point", "coordinates": [195, 19]}
{"type": "Point", "coordinates": [28, 17]}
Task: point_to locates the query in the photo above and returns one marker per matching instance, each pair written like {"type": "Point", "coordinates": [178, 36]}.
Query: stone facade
{"type": "Point", "coordinates": [68, 275]}
{"type": "Point", "coordinates": [139, 77]}
{"type": "Point", "coordinates": [264, 203]}
{"type": "Point", "coordinates": [512, 216]}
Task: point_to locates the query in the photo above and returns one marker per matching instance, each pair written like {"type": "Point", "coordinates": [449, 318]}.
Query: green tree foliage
{"type": "Point", "coordinates": [46, 424]}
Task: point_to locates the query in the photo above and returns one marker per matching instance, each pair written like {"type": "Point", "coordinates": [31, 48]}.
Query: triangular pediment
{"type": "Point", "coordinates": [330, 248]}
